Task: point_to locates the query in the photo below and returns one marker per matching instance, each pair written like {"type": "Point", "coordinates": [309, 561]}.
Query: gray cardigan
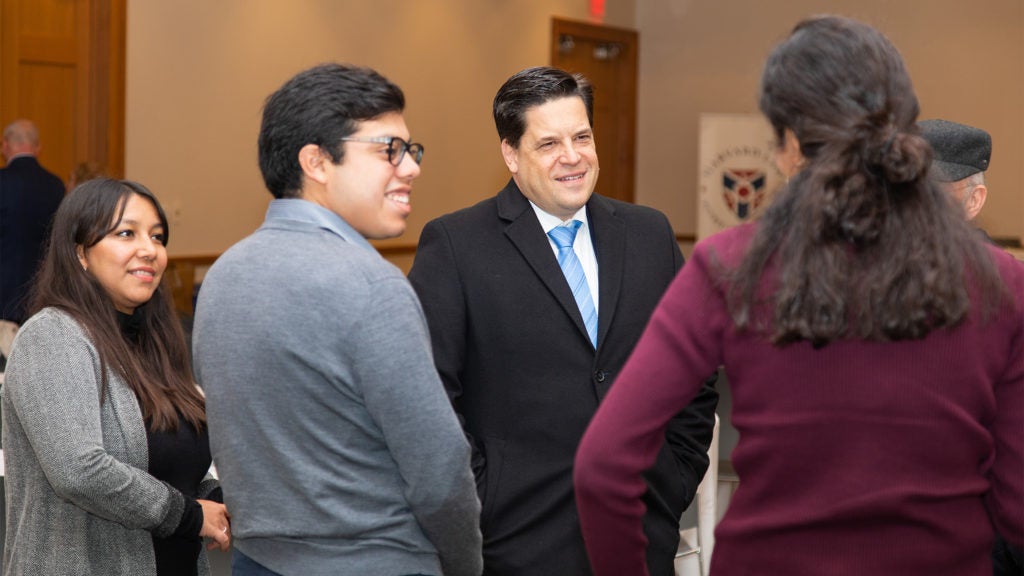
{"type": "Point", "coordinates": [79, 497]}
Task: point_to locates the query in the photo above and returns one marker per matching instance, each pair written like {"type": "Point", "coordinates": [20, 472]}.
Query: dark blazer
{"type": "Point", "coordinates": [29, 196]}
{"type": "Point", "coordinates": [512, 350]}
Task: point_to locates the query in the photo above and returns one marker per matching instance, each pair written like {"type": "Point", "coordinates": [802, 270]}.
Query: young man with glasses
{"type": "Point", "coordinates": [338, 450]}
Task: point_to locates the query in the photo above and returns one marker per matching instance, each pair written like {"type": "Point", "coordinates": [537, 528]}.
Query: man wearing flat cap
{"type": "Point", "coordinates": [961, 157]}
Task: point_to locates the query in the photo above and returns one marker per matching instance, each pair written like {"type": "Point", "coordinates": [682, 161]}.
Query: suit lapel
{"type": "Point", "coordinates": [608, 233]}
{"type": "Point", "coordinates": [525, 232]}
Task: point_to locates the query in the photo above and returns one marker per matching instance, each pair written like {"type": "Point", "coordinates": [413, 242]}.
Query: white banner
{"type": "Point", "coordinates": [737, 170]}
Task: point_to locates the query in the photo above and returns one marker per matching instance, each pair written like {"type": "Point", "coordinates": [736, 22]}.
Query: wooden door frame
{"type": "Point", "coordinates": [105, 140]}
{"type": "Point", "coordinates": [100, 115]}
{"type": "Point", "coordinates": [626, 185]}
{"type": "Point", "coordinates": [107, 69]}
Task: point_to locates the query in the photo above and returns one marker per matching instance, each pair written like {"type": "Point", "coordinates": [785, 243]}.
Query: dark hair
{"type": "Point", "coordinates": [861, 243]}
{"type": "Point", "coordinates": [318, 106]}
{"type": "Point", "coordinates": [156, 364]}
{"type": "Point", "coordinates": [532, 87]}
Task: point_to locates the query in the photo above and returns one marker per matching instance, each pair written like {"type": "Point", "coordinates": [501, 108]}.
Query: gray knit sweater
{"type": "Point", "coordinates": [79, 497]}
{"type": "Point", "coordinates": [337, 447]}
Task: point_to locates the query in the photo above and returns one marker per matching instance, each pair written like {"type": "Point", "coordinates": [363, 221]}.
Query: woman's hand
{"type": "Point", "coordinates": [216, 525]}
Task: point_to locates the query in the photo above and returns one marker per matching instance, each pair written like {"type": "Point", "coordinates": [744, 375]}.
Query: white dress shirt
{"type": "Point", "coordinates": [582, 245]}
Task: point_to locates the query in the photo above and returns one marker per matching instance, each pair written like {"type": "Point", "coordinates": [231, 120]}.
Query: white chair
{"type": "Point", "coordinates": [7, 332]}
{"type": "Point", "coordinates": [696, 544]}
{"type": "Point", "coordinates": [728, 481]}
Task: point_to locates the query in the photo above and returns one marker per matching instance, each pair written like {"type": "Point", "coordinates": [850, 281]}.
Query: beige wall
{"type": "Point", "coordinates": [198, 72]}
{"type": "Point", "coordinates": [966, 60]}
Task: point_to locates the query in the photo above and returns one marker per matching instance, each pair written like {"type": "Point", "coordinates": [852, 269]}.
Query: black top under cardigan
{"type": "Point", "coordinates": [180, 458]}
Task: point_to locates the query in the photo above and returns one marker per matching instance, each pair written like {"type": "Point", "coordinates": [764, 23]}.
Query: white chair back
{"type": "Point", "coordinates": [699, 542]}
{"type": "Point", "coordinates": [7, 331]}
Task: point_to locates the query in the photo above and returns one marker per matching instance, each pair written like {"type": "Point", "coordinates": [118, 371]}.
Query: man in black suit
{"type": "Point", "coordinates": [29, 196]}
{"type": "Point", "coordinates": [525, 356]}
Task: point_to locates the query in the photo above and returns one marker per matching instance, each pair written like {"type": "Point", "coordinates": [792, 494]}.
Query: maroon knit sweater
{"type": "Point", "coordinates": [857, 458]}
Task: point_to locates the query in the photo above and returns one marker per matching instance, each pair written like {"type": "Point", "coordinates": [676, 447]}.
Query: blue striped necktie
{"type": "Point", "coordinates": [564, 236]}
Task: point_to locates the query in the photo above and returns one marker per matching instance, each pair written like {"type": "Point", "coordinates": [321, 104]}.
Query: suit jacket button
{"type": "Point", "coordinates": [600, 376]}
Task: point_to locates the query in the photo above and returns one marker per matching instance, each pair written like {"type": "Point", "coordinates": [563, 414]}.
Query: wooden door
{"type": "Point", "coordinates": [62, 65]}
{"type": "Point", "coordinates": [608, 58]}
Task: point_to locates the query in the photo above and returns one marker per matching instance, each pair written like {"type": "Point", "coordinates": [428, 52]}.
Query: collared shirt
{"type": "Point", "coordinates": [582, 245]}
{"type": "Point", "coordinates": [306, 211]}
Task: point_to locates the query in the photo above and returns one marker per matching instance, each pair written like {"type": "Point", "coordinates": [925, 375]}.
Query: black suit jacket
{"type": "Point", "coordinates": [29, 197]}
{"type": "Point", "coordinates": [512, 350]}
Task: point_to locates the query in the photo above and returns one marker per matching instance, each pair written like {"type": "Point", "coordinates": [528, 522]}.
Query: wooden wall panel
{"type": "Point", "coordinates": [47, 94]}
{"type": "Point", "coordinates": [62, 66]}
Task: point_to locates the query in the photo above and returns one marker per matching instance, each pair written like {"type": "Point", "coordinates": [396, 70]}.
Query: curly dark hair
{"type": "Point", "coordinates": [319, 106]}
{"type": "Point", "coordinates": [860, 243]}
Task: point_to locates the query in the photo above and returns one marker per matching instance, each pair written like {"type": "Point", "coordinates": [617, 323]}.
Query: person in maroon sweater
{"type": "Point", "coordinates": [874, 346]}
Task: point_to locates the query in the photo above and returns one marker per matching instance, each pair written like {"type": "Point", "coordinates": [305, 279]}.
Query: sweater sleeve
{"type": "Point", "coordinates": [403, 394]}
{"type": "Point", "coordinates": [209, 489]}
{"type": "Point", "coordinates": [53, 387]}
{"type": "Point", "coordinates": [679, 348]}
{"type": "Point", "coordinates": [191, 522]}
{"type": "Point", "coordinates": [689, 433]}
{"type": "Point", "coordinates": [1005, 499]}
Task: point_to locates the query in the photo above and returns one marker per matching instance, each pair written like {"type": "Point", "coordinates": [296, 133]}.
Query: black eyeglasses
{"type": "Point", "coordinates": [396, 148]}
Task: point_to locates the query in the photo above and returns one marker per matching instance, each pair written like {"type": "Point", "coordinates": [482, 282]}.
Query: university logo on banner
{"type": "Point", "coordinates": [743, 190]}
{"type": "Point", "coordinates": [737, 170]}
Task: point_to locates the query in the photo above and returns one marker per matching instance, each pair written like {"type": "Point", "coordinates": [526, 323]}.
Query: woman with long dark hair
{"type": "Point", "coordinates": [104, 429]}
{"type": "Point", "coordinates": [874, 347]}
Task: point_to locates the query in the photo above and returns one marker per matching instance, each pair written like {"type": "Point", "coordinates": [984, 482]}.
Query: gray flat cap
{"type": "Point", "coordinates": [960, 150]}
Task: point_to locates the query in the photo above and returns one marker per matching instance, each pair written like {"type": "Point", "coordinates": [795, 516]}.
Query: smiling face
{"type": "Point", "coordinates": [130, 260]}
{"type": "Point", "coordinates": [371, 194]}
{"type": "Point", "coordinates": [555, 164]}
